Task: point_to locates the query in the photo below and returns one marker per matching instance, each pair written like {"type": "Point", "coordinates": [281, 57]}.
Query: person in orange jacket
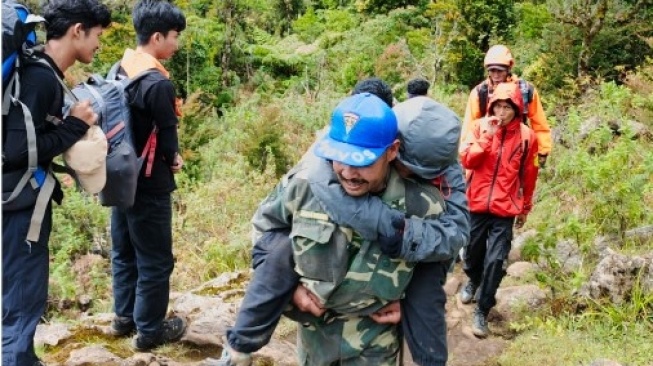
{"type": "Point", "coordinates": [499, 62]}
{"type": "Point", "coordinates": [500, 155]}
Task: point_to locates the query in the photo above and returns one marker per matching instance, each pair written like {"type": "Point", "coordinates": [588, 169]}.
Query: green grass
{"type": "Point", "coordinates": [553, 343]}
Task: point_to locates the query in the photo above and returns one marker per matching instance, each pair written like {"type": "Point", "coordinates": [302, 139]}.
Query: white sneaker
{"type": "Point", "coordinates": [229, 357]}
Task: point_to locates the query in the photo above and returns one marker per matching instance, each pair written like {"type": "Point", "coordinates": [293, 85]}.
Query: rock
{"type": "Point", "coordinates": [509, 298]}
{"type": "Point", "coordinates": [568, 255]}
{"type": "Point", "coordinates": [208, 326]}
{"type": "Point", "coordinates": [588, 126]}
{"type": "Point", "coordinates": [615, 277]}
{"type": "Point", "coordinates": [452, 285]}
{"type": "Point", "coordinates": [140, 359]}
{"type": "Point", "coordinates": [84, 266]}
{"type": "Point", "coordinates": [50, 335]}
{"type": "Point", "coordinates": [520, 269]}
{"type": "Point", "coordinates": [84, 302]}
{"type": "Point", "coordinates": [518, 244]}
{"type": "Point", "coordinates": [92, 356]}
{"type": "Point", "coordinates": [640, 233]}
{"type": "Point", "coordinates": [638, 129]}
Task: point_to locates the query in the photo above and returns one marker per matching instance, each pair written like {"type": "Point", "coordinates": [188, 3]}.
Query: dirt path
{"type": "Point", "coordinates": [465, 349]}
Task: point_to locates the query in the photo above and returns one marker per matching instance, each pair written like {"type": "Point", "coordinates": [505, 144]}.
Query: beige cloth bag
{"type": "Point", "coordinates": [87, 157]}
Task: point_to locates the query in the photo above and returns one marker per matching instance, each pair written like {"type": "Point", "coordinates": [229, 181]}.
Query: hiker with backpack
{"type": "Point", "coordinates": [499, 62]}
{"type": "Point", "coordinates": [35, 131]}
{"type": "Point", "coordinates": [141, 256]}
{"type": "Point", "coordinates": [501, 156]}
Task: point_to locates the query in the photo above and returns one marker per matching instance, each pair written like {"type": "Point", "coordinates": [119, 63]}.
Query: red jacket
{"type": "Point", "coordinates": [501, 180]}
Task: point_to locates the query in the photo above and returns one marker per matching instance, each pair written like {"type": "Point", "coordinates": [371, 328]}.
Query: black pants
{"type": "Point", "coordinates": [25, 268]}
{"type": "Point", "coordinates": [142, 260]}
{"type": "Point", "coordinates": [486, 257]}
{"type": "Point", "coordinates": [268, 293]}
{"type": "Point", "coordinates": [423, 320]}
{"type": "Point", "coordinates": [274, 281]}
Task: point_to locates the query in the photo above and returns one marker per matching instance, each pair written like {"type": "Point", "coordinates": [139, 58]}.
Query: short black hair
{"type": "Point", "coordinates": [418, 86]}
{"type": "Point", "coordinates": [151, 16]}
{"type": "Point", "coordinates": [377, 87]}
{"type": "Point", "coordinates": [60, 15]}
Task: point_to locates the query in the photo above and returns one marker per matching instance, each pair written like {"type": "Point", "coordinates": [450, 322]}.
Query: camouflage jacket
{"type": "Point", "coordinates": [348, 274]}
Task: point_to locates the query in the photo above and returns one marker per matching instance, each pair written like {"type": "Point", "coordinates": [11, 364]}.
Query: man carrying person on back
{"type": "Point", "coordinates": [499, 62]}
{"type": "Point", "coordinates": [73, 28]}
{"type": "Point", "coordinates": [430, 153]}
{"type": "Point", "coordinates": [141, 257]}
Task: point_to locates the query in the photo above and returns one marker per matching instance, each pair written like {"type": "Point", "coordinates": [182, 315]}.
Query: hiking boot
{"type": "Point", "coordinates": [229, 357]}
{"type": "Point", "coordinates": [479, 324]}
{"type": "Point", "coordinates": [468, 292]}
{"type": "Point", "coordinates": [122, 326]}
{"type": "Point", "coordinates": [171, 331]}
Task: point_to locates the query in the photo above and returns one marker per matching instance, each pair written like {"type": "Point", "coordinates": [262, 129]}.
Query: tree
{"type": "Point", "coordinates": [590, 17]}
{"type": "Point", "coordinates": [384, 6]}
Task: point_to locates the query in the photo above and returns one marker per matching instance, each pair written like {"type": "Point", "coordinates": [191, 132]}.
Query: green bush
{"type": "Point", "coordinates": [309, 26]}
{"type": "Point", "coordinates": [80, 226]}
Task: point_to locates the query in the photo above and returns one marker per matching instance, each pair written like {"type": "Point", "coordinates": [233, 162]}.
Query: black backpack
{"type": "Point", "coordinates": [109, 99]}
{"type": "Point", "coordinates": [34, 185]}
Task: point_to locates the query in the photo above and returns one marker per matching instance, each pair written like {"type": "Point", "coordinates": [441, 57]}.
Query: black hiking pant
{"type": "Point", "coordinates": [142, 260]}
{"type": "Point", "coordinates": [268, 293]}
{"type": "Point", "coordinates": [25, 268]}
{"type": "Point", "coordinates": [486, 258]}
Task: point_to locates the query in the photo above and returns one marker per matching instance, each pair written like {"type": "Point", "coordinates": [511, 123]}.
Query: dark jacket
{"type": "Point", "coordinates": [43, 96]}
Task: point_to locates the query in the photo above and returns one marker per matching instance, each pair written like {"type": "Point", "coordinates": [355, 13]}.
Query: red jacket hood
{"type": "Point", "coordinates": [509, 92]}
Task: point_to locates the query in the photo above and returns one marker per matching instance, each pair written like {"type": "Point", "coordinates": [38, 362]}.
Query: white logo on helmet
{"type": "Point", "coordinates": [332, 153]}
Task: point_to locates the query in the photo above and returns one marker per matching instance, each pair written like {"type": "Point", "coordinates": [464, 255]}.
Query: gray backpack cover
{"type": "Point", "coordinates": [110, 102]}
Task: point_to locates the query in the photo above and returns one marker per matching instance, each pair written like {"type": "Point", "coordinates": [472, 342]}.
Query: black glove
{"type": "Point", "coordinates": [391, 245]}
{"type": "Point", "coordinates": [541, 160]}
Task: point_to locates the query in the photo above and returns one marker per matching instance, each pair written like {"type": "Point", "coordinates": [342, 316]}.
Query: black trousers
{"type": "Point", "coordinates": [486, 257]}
{"type": "Point", "coordinates": [25, 268]}
{"type": "Point", "coordinates": [142, 260]}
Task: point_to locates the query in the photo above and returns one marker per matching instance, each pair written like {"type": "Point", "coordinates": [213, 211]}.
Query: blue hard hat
{"type": "Point", "coordinates": [362, 128]}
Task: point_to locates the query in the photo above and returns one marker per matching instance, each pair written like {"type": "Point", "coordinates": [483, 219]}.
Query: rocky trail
{"type": "Point", "coordinates": [211, 309]}
{"type": "Point", "coordinates": [209, 315]}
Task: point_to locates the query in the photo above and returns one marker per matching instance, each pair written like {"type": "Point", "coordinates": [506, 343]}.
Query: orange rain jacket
{"type": "Point", "coordinates": [501, 180]}
{"type": "Point", "coordinates": [536, 116]}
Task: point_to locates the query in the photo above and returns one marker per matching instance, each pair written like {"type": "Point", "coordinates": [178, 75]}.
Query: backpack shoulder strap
{"type": "Point", "coordinates": [29, 177]}
{"type": "Point", "coordinates": [483, 94]}
{"type": "Point", "coordinates": [525, 133]}
{"type": "Point", "coordinates": [526, 90]}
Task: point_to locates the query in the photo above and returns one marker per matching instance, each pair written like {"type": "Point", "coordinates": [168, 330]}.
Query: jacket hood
{"type": "Point", "coordinates": [509, 92]}
{"type": "Point", "coordinates": [135, 62]}
{"type": "Point", "coordinates": [430, 134]}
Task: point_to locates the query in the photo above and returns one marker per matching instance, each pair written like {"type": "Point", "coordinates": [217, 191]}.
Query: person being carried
{"type": "Point", "coordinates": [73, 28]}
{"type": "Point", "coordinates": [501, 155]}
{"type": "Point", "coordinates": [431, 153]}
{"type": "Point", "coordinates": [499, 62]}
{"type": "Point", "coordinates": [141, 255]}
